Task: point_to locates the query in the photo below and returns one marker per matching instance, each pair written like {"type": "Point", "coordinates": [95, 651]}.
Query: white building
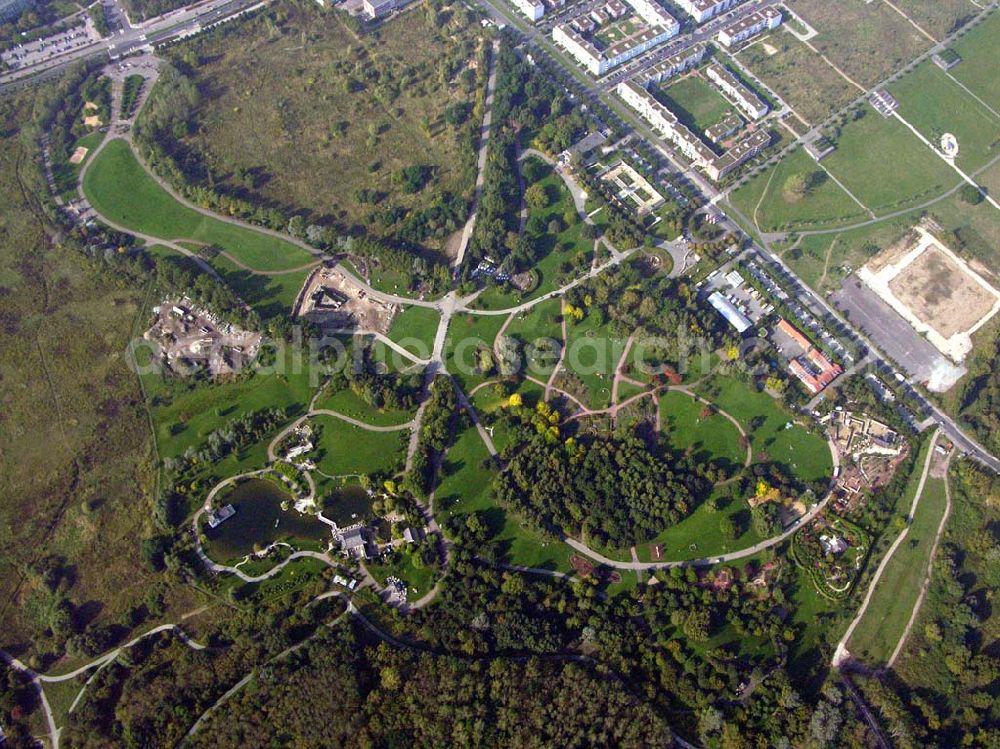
{"type": "Point", "coordinates": [745, 100]}
{"type": "Point", "coordinates": [655, 15]}
{"type": "Point", "coordinates": [768, 18]}
{"type": "Point", "coordinates": [597, 61]}
{"type": "Point", "coordinates": [666, 123]}
{"type": "Point", "coordinates": [533, 9]}
{"type": "Point", "coordinates": [702, 10]}
{"type": "Point", "coordinates": [676, 64]}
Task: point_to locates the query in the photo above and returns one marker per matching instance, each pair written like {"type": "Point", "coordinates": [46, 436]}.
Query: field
{"type": "Point", "coordinates": [867, 41]}
{"type": "Point", "coordinates": [935, 104]}
{"type": "Point", "coordinates": [804, 452]}
{"type": "Point", "coordinates": [466, 487]}
{"type": "Point", "coordinates": [345, 449]}
{"type": "Point", "coordinates": [767, 201]}
{"type": "Point", "coordinates": [325, 121]}
{"type": "Point", "coordinates": [414, 329]}
{"type": "Point", "coordinates": [709, 439]}
{"type": "Point", "coordinates": [695, 102]}
{"type": "Point", "coordinates": [347, 403]}
{"type": "Point", "coordinates": [119, 188]}
{"type": "Point", "coordinates": [892, 603]}
{"type": "Point", "coordinates": [76, 456]}
{"type": "Point", "coordinates": [938, 18]}
{"type": "Point", "coordinates": [978, 69]}
{"type": "Point", "coordinates": [916, 174]}
{"type": "Point", "coordinates": [799, 76]}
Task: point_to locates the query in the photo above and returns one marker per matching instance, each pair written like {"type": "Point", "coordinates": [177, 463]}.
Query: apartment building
{"type": "Point", "coordinates": [746, 28]}
{"type": "Point", "coordinates": [533, 9]}
{"type": "Point", "coordinates": [745, 100]}
{"type": "Point", "coordinates": [702, 10]}
{"type": "Point", "coordinates": [676, 64]}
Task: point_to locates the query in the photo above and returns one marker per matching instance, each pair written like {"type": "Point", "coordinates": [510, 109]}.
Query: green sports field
{"type": "Point", "coordinates": [120, 189]}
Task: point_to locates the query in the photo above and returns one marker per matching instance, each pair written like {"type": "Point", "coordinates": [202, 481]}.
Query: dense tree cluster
{"type": "Point", "coordinates": [436, 431]}
{"type": "Point", "coordinates": [525, 104]}
{"type": "Point", "coordinates": [614, 490]}
{"type": "Point", "coordinates": [384, 390]}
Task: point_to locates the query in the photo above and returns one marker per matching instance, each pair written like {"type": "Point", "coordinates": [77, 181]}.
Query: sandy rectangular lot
{"type": "Point", "coordinates": [941, 294]}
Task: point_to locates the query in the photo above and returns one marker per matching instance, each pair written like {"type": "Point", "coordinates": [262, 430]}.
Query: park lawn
{"type": "Point", "coordinates": [419, 579]}
{"type": "Point", "coordinates": [466, 486]}
{"type": "Point", "coordinates": [541, 324]}
{"type": "Point", "coordinates": [713, 438]}
{"type": "Point", "coordinates": [271, 295]}
{"type": "Point", "coordinates": [892, 603]}
{"type": "Point", "coordinates": [934, 104]}
{"type": "Point", "coordinates": [798, 75]}
{"type": "Point", "coordinates": [119, 187]}
{"type": "Point", "coordinates": [804, 452]}
{"type": "Point", "coordinates": [67, 175]}
{"type": "Point", "coordinates": [978, 69]}
{"type": "Point", "coordinates": [344, 449]}
{"type": "Point", "coordinates": [348, 403]}
{"type": "Point", "coordinates": [466, 334]}
{"type": "Point", "coordinates": [699, 535]}
{"type": "Point", "coordinates": [767, 203]}
{"type": "Point", "coordinates": [695, 102]}
{"type": "Point", "coordinates": [592, 355]}
{"type": "Point", "coordinates": [414, 329]}
{"type": "Point", "coordinates": [186, 413]}
{"type": "Point", "coordinates": [917, 174]}
{"type": "Point", "coordinates": [627, 390]}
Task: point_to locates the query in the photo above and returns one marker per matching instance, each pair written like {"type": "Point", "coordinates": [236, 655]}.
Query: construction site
{"type": "Point", "coordinates": [188, 339]}
{"type": "Point", "coordinates": [336, 302]}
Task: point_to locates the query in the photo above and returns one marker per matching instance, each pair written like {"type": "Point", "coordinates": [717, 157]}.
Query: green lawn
{"type": "Point", "coordinates": [67, 175]}
{"type": "Point", "coordinates": [119, 188]}
{"type": "Point", "coordinates": [916, 173]}
{"type": "Point", "coordinates": [935, 104]}
{"type": "Point", "coordinates": [466, 487]}
{"type": "Point", "coordinates": [271, 296]}
{"type": "Point", "coordinates": [805, 452]}
{"type": "Point", "coordinates": [414, 329]}
{"type": "Point", "coordinates": [700, 534]}
{"type": "Point", "coordinates": [540, 323]}
{"type": "Point", "coordinates": [348, 403]}
{"type": "Point", "coordinates": [346, 449]}
{"type": "Point", "coordinates": [695, 102]}
{"type": "Point", "coordinates": [592, 355]}
{"type": "Point", "coordinates": [892, 603]}
{"type": "Point", "coordinates": [467, 334]}
{"type": "Point", "coordinates": [713, 438]}
{"type": "Point", "coordinates": [766, 200]}
{"type": "Point", "coordinates": [185, 413]}
{"type": "Point", "coordinates": [978, 69]}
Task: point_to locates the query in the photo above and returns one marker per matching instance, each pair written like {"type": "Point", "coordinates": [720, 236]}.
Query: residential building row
{"type": "Point", "coordinates": [536, 9]}
{"type": "Point", "coordinates": [703, 10]}
{"type": "Point", "coordinates": [676, 64]}
{"type": "Point", "coordinates": [746, 28]}
{"type": "Point", "coordinates": [571, 37]}
{"type": "Point", "coordinates": [694, 148]}
{"type": "Point", "coordinates": [745, 100]}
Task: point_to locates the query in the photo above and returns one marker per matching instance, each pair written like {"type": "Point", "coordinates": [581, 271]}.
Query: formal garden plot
{"type": "Point", "coordinates": [796, 194]}
{"type": "Point", "coordinates": [119, 188]}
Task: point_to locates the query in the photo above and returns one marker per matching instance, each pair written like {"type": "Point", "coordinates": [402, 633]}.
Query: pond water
{"type": "Point", "coordinates": [259, 519]}
{"type": "Point", "coordinates": [347, 505]}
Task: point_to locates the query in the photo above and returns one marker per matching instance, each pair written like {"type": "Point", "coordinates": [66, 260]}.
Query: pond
{"type": "Point", "coordinates": [259, 519]}
{"type": "Point", "coordinates": [347, 505]}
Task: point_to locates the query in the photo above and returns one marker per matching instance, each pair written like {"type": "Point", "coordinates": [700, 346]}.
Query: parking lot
{"type": "Point", "coordinates": [40, 50]}
{"type": "Point", "coordinates": [894, 335]}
